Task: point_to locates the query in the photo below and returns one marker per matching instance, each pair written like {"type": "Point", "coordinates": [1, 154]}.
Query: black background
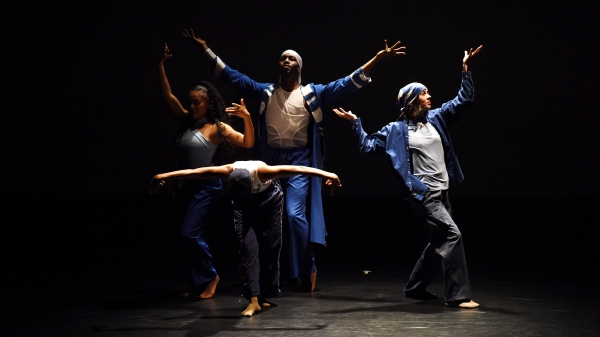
{"type": "Point", "coordinates": [82, 111]}
{"type": "Point", "coordinates": [84, 128]}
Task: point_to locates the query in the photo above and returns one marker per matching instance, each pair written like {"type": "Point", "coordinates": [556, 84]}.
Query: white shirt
{"type": "Point", "coordinates": [287, 119]}
{"type": "Point", "coordinates": [252, 167]}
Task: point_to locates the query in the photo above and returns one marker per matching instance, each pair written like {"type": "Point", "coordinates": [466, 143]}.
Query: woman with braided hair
{"type": "Point", "coordinates": [203, 128]}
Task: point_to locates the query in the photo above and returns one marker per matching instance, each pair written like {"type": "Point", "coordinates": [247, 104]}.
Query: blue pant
{"type": "Point", "coordinates": [302, 255]}
{"type": "Point", "coordinates": [445, 246]}
{"type": "Point", "coordinates": [258, 230]}
{"type": "Point", "coordinates": [197, 198]}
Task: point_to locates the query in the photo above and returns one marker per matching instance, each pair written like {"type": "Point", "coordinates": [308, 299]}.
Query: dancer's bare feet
{"type": "Point", "coordinates": [313, 280]}
{"type": "Point", "coordinates": [253, 306]}
{"type": "Point", "coordinates": [464, 305]}
{"type": "Point", "coordinates": [308, 284]}
{"type": "Point", "coordinates": [209, 292]}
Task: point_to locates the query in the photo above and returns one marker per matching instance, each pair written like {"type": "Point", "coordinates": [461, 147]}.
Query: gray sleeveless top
{"type": "Point", "coordinates": [194, 150]}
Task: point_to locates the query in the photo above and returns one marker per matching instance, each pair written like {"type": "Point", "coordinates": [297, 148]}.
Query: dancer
{"type": "Point", "coordinates": [202, 129]}
{"type": "Point", "coordinates": [421, 155]}
{"type": "Point", "coordinates": [286, 136]}
{"type": "Point", "coordinates": [257, 198]}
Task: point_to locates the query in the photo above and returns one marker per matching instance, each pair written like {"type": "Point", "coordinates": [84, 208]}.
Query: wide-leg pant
{"type": "Point", "coordinates": [258, 230]}
{"type": "Point", "coordinates": [302, 255]}
{"type": "Point", "coordinates": [445, 246]}
{"type": "Point", "coordinates": [197, 198]}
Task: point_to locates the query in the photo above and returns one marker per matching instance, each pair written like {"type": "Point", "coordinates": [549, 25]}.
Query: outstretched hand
{"type": "Point", "coordinates": [190, 36]}
{"type": "Point", "coordinates": [345, 114]}
{"type": "Point", "coordinates": [469, 55]}
{"type": "Point", "coordinates": [333, 182]}
{"type": "Point", "coordinates": [392, 51]}
{"type": "Point", "coordinates": [156, 184]}
{"type": "Point", "coordinates": [165, 55]}
{"type": "Point", "coordinates": [238, 110]}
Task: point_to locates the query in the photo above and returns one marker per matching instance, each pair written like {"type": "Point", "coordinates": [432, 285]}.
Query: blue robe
{"type": "Point", "coordinates": [316, 96]}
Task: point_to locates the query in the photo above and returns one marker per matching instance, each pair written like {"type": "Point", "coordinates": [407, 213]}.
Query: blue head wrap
{"type": "Point", "coordinates": [408, 94]}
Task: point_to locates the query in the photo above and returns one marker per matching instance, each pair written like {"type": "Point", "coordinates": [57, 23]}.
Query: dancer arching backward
{"type": "Point", "coordinates": [258, 208]}
{"type": "Point", "coordinates": [202, 130]}
{"type": "Point", "coordinates": [421, 155]}
{"type": "Point", "coordinates": [287, 137]}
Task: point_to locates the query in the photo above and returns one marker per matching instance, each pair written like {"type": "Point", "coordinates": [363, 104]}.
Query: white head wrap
{"type": "Point", "coordinates": [298, 58]}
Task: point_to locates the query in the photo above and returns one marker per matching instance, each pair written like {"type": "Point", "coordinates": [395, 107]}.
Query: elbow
{"type": "Point", "coordinates": [248, 145]}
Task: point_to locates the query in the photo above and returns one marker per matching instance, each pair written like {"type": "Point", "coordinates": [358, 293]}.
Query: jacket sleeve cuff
{"type": "Point", "coordinates": [216, 65]}
{"type": "Point", "coordinates": [359, 78]}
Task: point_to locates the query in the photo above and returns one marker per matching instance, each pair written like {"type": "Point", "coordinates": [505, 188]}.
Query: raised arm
{"type": "Point", "coordinates": [165, 88]}
{"type": "Point", "coordinates": [453, 110]}
{"type": "Point", "coordinates": [245, 139]}
{"type": "Point", "coordinates": [209, 172]}
{"type": "Point", "coordinates": [238, 80]}
{"type": "Point", "coordinates": [358, 79]}
{"type": "Point", "coordinates": [387, 52]}
{"type": "Point", "coordinates": [266, 172]}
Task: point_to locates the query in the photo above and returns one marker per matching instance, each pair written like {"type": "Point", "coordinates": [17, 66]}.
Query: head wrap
{"type": "Point", "coordinates": [240, 186]}
{"type": "Point", "coordinates": [298, 58]}
{"type": "Point", "coordinates": [408, 93]}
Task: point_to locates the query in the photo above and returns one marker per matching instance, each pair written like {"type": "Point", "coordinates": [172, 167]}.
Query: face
{"type": "Point", "coordinates": [288, 65]}
{"type": "Point", "coordinates": [199, 102]}
{"type": "Point", "coordinates": [425, 99]}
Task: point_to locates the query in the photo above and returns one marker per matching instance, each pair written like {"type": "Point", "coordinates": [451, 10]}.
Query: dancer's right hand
{"type": "Point", "coordinates": [345, 114]}
{"type": "Point", "coordinates": [190, 36]}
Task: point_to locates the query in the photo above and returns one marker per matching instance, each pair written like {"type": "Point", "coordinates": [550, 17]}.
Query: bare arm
{"type": "Point", "coordinates": [383, 54]}
{"type": "Point", "coordinates": [165, 88]}
{"type": "Point", "coordinates": [209, 172]}
{"type": "Point", "coordinates": [245, 139]}
{"type": "Point", "coordinates": [266, 172]}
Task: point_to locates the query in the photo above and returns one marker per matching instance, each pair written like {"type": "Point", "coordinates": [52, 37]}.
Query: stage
{"type": "Point", "coordinates": [109, 265]}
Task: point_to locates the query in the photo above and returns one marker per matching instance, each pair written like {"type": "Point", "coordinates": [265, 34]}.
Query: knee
{"type": "Point", "coordinates": [454, 234]}
{"type": "Point", "coordinates": [190, 235]}
{"type": "Point", "coordinates": [295, 207]}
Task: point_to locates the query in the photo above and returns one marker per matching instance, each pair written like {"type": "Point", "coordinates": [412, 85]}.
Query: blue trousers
{"type": "Point", "coordinates": [197, 198]}
{"type": "Point", "coordinates": [258, 230]}
{"type": "Point", "coordinates": [302, 255]}
{"type": "Point", "coordinates": [445, 246]}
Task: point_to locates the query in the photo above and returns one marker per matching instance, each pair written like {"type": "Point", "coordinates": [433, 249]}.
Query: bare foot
{"type": "Point", "coordinates": [252, 307]}
{"type": "Point", "coordinates": [209, 292]}
{"type": "Point", "coordinates": [313, 280]}
{"type": "Point", "coordinates": [464, 305]}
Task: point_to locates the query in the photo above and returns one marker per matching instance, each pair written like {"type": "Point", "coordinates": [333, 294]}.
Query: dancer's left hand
{"type": "Point", "coordinates": [156, 184]}
{"type": "Point", "coordinates": [238, 110]}
{"type": "Point", "coordinates": [392, 51]}
{"type": "Point", "coordinates": [469, 55]}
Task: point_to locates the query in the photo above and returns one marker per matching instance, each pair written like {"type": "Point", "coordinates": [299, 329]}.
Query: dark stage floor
{"type": "Point", "coordinates": [90, 265]}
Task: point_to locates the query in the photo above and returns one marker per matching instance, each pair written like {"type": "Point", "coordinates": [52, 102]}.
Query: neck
{"type": "Point", "coordinates": [289, 84]}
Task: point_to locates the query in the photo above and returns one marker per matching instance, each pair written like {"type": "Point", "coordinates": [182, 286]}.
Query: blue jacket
{"type": "Point", "coordinates": [393, 140]}
{"type": "Point", "coordinates": [316, 96]}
